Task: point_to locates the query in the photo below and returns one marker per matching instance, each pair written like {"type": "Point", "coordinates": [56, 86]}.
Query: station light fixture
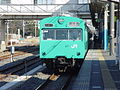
{"type": "Point", "coordinates": [116, 1]}
{"type": "Point", "coordinates": [103, 0]}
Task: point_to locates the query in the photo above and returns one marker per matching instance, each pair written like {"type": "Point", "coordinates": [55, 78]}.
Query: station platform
{"type": "Point", "coordinates": [98, 72]}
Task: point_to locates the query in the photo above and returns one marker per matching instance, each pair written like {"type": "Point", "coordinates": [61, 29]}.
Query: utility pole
{"type": "Point", "coordinates": [118, 37]}
{"type": "Point", "coordinates": [7, 31]}
{"type": "Point", "coordinates": [23, 29]}
{"type": "Point", "coordinates": [35, 22]}
{"type": "Point", "coordinates": [106, 27]}
{"type": "Point", "coordinates": [19, 34]}
{"type": "Point", "coordinates": [118, 10]}
{"type": "Point", "coordinates": [112, 28]}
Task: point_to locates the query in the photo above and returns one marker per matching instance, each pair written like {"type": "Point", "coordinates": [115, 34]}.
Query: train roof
{"type": "Point", "coordinates": [61, 21]}
{"type": "Point", "coordinates": [54, 18]}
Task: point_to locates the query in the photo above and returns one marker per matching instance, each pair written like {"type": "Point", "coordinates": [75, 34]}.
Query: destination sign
{"type": "Point", "coordinates": [74, 24]}
{"type": "Point", "coordinates": [48, 25]}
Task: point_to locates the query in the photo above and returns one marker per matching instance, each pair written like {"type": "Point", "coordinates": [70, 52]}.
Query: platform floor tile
{"type": "Point", "coordinates": [114, 71]}
{"type": "Point", "coordinates": [96, 82]}
{"type": "Point", "coordinates": [82, 81]}
{"type": "Point", "coordinates": [96, 74]}
{"type": "Point", "coordinates": [108, 81]}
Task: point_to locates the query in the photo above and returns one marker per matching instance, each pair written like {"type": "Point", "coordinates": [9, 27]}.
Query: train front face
{"type": "Point", "coordinates": [62, 41]}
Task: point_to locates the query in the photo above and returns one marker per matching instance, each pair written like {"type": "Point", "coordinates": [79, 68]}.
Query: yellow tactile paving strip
{"type": "Point", "coordinates": [109, 83]}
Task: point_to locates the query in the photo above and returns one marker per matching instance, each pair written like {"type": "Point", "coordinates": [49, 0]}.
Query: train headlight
{"type": "Point", "coordinates": [61, 21]}
{"type": "Point", "coordinates": [43, 53]}
{"type": "Point", "coordinates": [78, 54]}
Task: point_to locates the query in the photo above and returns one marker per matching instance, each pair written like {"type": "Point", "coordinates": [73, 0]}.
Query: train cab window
{"type": "Point", "coordinates": [61, 34]}
{"type": "Point", "coordinates": [48, 34]}
{"type": "Point", "coordinates": [75, 34]}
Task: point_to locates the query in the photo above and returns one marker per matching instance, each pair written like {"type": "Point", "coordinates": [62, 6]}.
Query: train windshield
{"type": "Point", "coordinates": [48, 35]}
{"type": "Point", "coordinates": [62, 34]}
{"type": "Point", "coordinates": [75, 34]}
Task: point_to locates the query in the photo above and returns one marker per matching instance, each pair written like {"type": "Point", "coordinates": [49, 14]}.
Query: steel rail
{"type": "Point", "coordinates": [42, 86]}
{"type": "Point", "coordinates": [18, 67]}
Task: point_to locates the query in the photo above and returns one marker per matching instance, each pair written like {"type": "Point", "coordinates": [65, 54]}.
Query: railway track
{"type": "Point", "coordinates": [18, 53]}
{"type": "Point", "coordinates": [57, 82]}
{"type": "Point", "coordinates": [19, 68]}
{"type": "Point", "coordinates": [47, 81]}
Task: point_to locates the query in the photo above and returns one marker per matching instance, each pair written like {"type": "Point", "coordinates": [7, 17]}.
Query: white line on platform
{"type": "Point", "coordinates": [21, 78]}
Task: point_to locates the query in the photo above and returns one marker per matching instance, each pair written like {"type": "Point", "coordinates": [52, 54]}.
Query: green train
{"type": "Point", "coordinates": [63, 41]}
